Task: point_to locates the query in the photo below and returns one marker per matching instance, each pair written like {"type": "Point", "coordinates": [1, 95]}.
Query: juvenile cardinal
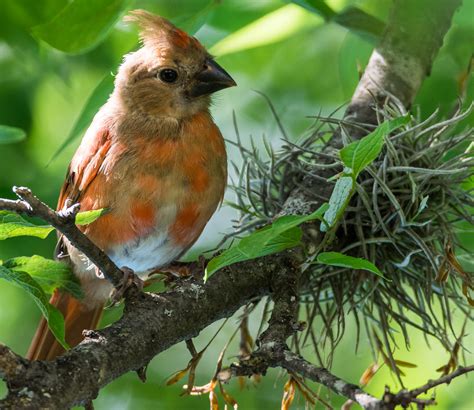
{"type": "Point", "coordinates": [152, 157]}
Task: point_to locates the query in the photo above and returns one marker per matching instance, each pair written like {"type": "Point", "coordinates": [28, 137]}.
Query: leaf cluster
{"type": "Point", "coordinates": [405, 213]}
{"type": "Point", "coordinates": [38, 276]}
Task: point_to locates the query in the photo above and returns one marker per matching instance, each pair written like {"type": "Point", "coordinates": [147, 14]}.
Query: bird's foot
{"type": "Point", "coordinates": [175, 274]}
{"type": "Point", "coordinates": [129, 279]}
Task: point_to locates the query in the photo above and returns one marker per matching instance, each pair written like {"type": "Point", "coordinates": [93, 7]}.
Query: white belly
{"type": "Point", "coordinates": [143, 254]}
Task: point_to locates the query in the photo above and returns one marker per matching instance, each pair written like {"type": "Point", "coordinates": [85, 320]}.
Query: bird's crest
{"type": "Point", "coordinates": [156, 31]}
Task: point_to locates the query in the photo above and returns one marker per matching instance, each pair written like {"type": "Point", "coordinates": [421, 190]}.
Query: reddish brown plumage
{"type": "Point", "coordinates": [154, 159]}
{"type": "Point", "coordinates": [44, 345]}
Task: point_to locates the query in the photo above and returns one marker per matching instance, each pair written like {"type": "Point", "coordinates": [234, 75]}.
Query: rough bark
{"type": "Point", "coordinates": [151, 323]}
{"type": "Point", "coordinates": [404, 57]}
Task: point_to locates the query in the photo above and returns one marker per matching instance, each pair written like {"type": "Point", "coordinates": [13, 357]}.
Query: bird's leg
{"type": "Point", "coordinates": [129, 279]}
{"type": "Point", "coordinates": [178, 272]}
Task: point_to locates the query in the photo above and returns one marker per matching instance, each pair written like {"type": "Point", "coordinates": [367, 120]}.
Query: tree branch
{"type": "Point", "coordinates": [280, 356]}
{"type": "Point", "coordinates": [404, 397]}
{"type": "Point", "coordinates": [151, 323]}
{"type": "Point", "coordinates": [403, 58]}
{"type": "Point", "coordinates": [64, 222]}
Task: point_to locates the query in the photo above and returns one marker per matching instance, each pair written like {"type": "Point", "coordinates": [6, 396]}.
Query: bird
{"type": "Point", "coordinates": [153, 159]}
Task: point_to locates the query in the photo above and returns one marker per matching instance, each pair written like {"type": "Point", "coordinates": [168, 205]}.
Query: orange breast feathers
{"type": "Point", "coordinates": [159, 191]}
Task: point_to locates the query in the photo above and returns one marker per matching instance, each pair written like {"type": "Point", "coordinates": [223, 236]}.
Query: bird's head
{"type": "Point", "coordinates": [171, 75]}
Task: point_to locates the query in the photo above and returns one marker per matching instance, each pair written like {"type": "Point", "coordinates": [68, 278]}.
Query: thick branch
{"type": "Point", "coordinates": [150, 324]}
{"type": "Point", "coordinates": [402, 60]}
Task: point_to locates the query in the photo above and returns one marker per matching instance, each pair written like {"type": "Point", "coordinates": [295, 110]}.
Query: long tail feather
{"type": "Point", "coordinates": [77, 318]}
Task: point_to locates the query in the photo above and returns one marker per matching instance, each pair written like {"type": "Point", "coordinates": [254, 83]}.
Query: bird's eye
{"type": "Point", "coordinates": [168, 75]}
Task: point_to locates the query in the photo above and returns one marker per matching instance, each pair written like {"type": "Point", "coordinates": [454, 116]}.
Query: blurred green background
{"type": "Point", "coordinates": [306, 65]}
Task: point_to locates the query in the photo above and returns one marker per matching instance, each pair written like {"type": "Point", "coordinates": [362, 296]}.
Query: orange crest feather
{"type": "Point", "coordinates": [157, 31]}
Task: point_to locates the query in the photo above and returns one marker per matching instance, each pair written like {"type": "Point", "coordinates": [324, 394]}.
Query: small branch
{"type": "Point", "coordinates": [284, 318]}
{"type": "Point", "coordinates": [64, 222]}
{"type": "Point", "coordinates": [280, 356]}
{"type": "Point", "coordinates": [404, 397]}
{"type": "Point", "coordinates": [442, 380]}
{"type": "Point", "coordinates": [296, 364]}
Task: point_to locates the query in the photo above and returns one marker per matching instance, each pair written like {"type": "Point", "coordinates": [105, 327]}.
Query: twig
{"type": "Point", "coordinates": [404, 397]}
{"type": "Point", "coordinates": [63, 221]}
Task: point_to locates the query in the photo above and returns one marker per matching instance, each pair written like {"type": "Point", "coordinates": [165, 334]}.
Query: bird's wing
{"type": "Point", "coordinates": [82, 171]}
{"type": "Point", "coordinates": [85, 166]}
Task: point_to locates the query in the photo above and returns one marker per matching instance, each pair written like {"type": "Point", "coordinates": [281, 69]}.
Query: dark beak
{"type": "Point", "coordinates": [211, 79]}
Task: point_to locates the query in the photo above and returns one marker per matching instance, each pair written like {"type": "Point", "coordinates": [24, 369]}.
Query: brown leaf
{"type": "Point", "coordinates": [213, 402]}
{"type": "Point", "coordinates": [347, 405]}
{"type": "Point", "coordinates": [442, 272]}
{"type": "Point", "coordinates": [309, 395]}
{"type": "Point", "coordinates": [176, 377]}
{"type": "Point", "coordinates": [465, 292]}
{"type": "Point", "coordinates": [453, 261]}
{"type": "Point", "coordinates": [242, 382]}
{"type": "Point", "coordinates": [257, 378]}
{"type": "Point", "coordinates": [463, 78]}
{"type": "Point", "coordinates": [288, 394]}
{"type": "Point", "coordinates": [228, 398]}
{"type": "Point", "coordinates": [368, 374]}
{"type": "Point", "coordinates": [246, 341]}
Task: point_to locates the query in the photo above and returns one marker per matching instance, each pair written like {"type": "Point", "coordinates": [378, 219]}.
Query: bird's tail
{"type": "Point", "coordinates": [77, 317]}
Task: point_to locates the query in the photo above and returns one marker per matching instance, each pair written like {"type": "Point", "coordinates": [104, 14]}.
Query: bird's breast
{"type": "Point", "coordinates": [160, 194]}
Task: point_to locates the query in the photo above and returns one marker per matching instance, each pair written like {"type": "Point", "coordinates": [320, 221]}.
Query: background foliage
{"type": "Point", "coordinates": [305, 56]}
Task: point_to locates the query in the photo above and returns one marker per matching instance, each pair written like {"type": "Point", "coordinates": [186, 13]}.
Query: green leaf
{"type": "Point", "coordinates": [290, 221]}
{"type": "Point", "coordinates": [359, 154]}
{"type": "Point", "coordinates": [12, 224]}
{"type": "Point", "coordinates": [254, 246]}
{"type": "Point", "coordinates": [87, 217]}
{"type": "Point", "coordinates": [338, 202]}
{"type": "Point", "coordinates": [9, 135]}
{"type": "Point", "coordinates": [352, 18]}
{"type": "Point", "coordinates": [316, 6]}
{"type": "Point", "coordinates": [52, 315]}
{"type": "Point", "coordinates": [423, 205]}
{"type": "Point", "coordinates": [283, 233]}
{"type": "Point", "coordinates": [192, 22]}
{"type": "Point", "coordinates": [81, 25]}
{"type": "Point", "coordinates": [361, 23]}
{"type": "Point", "coordinates": [289, 19]}
{"type": "Point", "coordinates": [48, 273]}
{"type": "Point", "coordinates": [98, 98]}
{"type": "Point", "coordinates": [345, 261]}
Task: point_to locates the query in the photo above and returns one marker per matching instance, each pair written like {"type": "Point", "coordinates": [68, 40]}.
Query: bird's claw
{"type": "Point", "coordinates": [129, 279]}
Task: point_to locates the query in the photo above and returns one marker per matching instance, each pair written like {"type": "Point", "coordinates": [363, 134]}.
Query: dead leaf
{"type": "Point", "coordinates": [368, 374]}
{"type": "Point", "coordinates": [213, 402]}
{"type": "Point", "coordinates": [442, 272]}
{"type": "Point", "coordinates": [176, 377]}
{"type": "Point", "coordinates": [228, 398]}
{"type": "Point", "coordinates": [288, 394]}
